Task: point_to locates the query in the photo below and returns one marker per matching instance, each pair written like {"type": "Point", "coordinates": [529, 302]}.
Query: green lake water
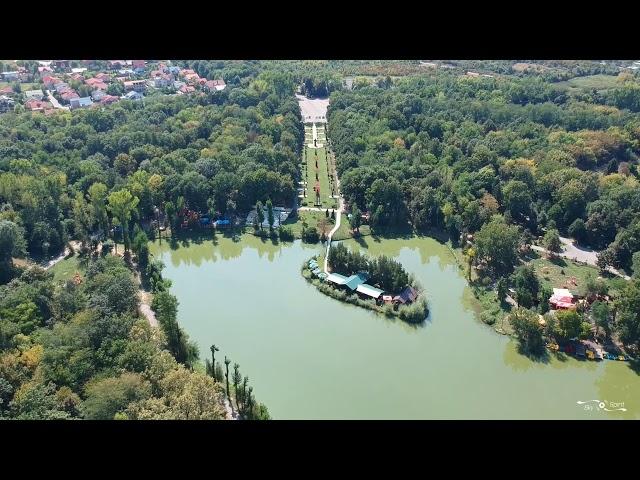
{"type": "Point", "coordinates": [309, 356]}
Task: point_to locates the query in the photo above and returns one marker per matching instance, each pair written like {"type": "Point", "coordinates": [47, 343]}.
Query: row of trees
{"type": "Point", "coordinates": [384, 271]}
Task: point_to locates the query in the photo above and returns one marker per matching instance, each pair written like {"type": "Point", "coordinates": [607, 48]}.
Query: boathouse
{"type": "Point", "coordinates": [408, 295]}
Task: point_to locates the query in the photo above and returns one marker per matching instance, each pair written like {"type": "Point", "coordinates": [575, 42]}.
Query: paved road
{"type": "Point", "coordinates": [581, 254]}
{"type": "Point", "coordinates": [55, 102]}
{"type": "Point", "coordinates": [571, 252]}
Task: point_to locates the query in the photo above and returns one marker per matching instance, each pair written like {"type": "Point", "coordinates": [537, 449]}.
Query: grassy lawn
{"type": "Point", "coordinates": [590, 82]}
{"type": "Point", "coordinates": [312, 218]}
{"type": "Point", "coordinates": [24, 86]}
{"type": "Point", "coordinates": [320, 155]}
{"type": "Point", "coordinates": [559, 273]}
{"type": "Point", "coordinates": [66, 269]}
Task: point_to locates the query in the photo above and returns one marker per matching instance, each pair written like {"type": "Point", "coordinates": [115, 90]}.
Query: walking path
{"type": "Point", "coordinates": [62, 256]}
{"type": "Point", "coordinates": [572, 252]}
{"type": "Point", "coordinates": [55, 102]}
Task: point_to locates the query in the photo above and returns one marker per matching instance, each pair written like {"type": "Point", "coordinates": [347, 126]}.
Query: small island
{"type": "Point", "coordinates": [380, 284]}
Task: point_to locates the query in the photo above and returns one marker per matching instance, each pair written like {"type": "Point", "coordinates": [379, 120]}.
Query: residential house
{"type": "Point", "coordinates": [61, 86]}
{"type": "Point", "coordinates": [187, 71]}
{"type": "Point", "coordinates": [6, 103]}
{"type": "Point", "coordinates": [116, 64]}
{"type": "Point", "coordinates": [133, 95]}
{"type": "Point", "coordinates": [562, 299]}
{"type": "Point", "coordinates": [69, 95]}
{"type": "Point", "coordinates": [96, 83]}
{"type": "Point", "coordinates": [215, 85]}
{"type": "Point", "coordinates": [192, 78]}
{"type": "Point", "coordinates": [50, 81]}
{"type": "Point", "coordinates": [98, 95]}
{"type": "Point", "coordinates": [37, 94]}
{"type": "Point", "coordinates": [187, 89]}
{"type": "Point", "coordinates": [60, 64]}
{"type": "Point", "coordinates": [6, 91]}
{"type": "Point", "coordinates": [10, 76]}
{"type": "Point", "coordinates": [80, 102]}
{"type": "Point", "coordinates": [78, 70]}
{"type": "Point", "coordinates": [126, 72]}
{"type": "Point", "coordinates": [109, 99]}
{"type": "Point", "coordinates": [162, 80]}
{"type": "Point", "coordinates": [77, 77]}
{"type": "Point", "coordinates": [103, 77]}
{"type": "Point", "coordinates": [135, 85]}
{"type": "Point", "coordinates": [37, 105]}
{"type": "Point", "coordinates": [138, 64]}
{"type": "Point", "coordinates": [178, 84]}
{"type": "Point", "coordinates": [408, 295]}
{"type": "Point", "coordinates": [44, 70]}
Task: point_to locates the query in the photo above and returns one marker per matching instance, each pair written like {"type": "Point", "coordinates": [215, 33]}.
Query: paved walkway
{"type": "Point", "coordinates": [588, 256]}
{"type": "Point", "coordinates": [62, 256]}
{"type": "Point", "coordinates": [55, 102]}
{"type": "Point", "coordinates": [313, 109]}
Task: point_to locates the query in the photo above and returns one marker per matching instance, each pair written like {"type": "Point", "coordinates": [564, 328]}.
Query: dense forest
{"type": "Point", "coordinates": [79, 349]}
{"type": "Point", "coordinates": [501, 160]}
{"type": "Point", "coordinates": [452, 152]}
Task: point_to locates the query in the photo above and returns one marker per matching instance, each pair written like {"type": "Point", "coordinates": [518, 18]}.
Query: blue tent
{"type": "Point", "coordinates": [222, 222]}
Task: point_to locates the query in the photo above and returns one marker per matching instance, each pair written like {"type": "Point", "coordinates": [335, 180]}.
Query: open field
{"type": "Point", "coordinates": [313, 219]}
{"type": "Point", "coordinates": [598, 82]}
{"type": "Point", "coordinates": [559, 273]}
{"type": "Point", "coordinates": [66, 269]}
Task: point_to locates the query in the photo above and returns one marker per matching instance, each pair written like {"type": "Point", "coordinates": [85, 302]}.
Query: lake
{"type": "Point", "coordinates": [309, 356]}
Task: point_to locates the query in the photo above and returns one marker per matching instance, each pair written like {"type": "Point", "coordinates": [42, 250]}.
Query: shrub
{"type": "Point", "coordinates": [285, 234]}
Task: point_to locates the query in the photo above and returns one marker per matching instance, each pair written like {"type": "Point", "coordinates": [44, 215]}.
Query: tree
{"type": "Point", "coordinates": [356, 218]}
{"type": "Point", "coordinates": [111, 395]}
{"type": "Point", "coordinates": [122, 204]}
{"type": "Point", "coordinates": [497, 245]}
{"type": "Point", "coordinates": [270, 216]}
{"type": "Point", "coordinates": [526, 286]}
{"type": "Point", "coordinates": [260, 212]}
{"type": "Point", "coordinates": [595, 287]}
{"type": "Point", "coordinates": [227, 361]}
{"type": "Point", "coordinates": [628, 313]}
{"type": "Point", "coordinates": [97, 200]}
{"type": "Point", "coordinates": [12, 244]}
{"type": "Point", "coordinates": [601, 314]}
{"type": "Point", "coordinates": [501, 289]}
{"type": "Point", "coordinates": [569, 324]}
{"type": "Point", "coordinates": [236, 378]}
{"type": "Point", "coordinates": [517, 198]}
{"type": "Point", "coordinates": [606, 258]}
{"type": "Point", "coordinates": [214, 349]}
{"type": "Point", "coordinates": [471, 255]}
{"type": "Point", "coordinates": [578, 231]}
{"type": "Point", "coordinates": [635, 268]}
{"type": "Point", "coordinates": [552, 242]}
{"type": "Point", "coordinates": [528, 330]}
